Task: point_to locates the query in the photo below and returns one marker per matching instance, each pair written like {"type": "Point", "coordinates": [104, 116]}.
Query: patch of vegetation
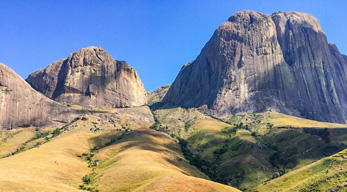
{"type": "Point", "coordinates": [156, 124]}
{"type": "Point", "coordinates": [88, 183]}
{"type": "Point", "coordinates": [269, 125]}
{"type": "Point", "coordinates": [39, 134]}
{"type": "Point", "coordinates": [204, 165]}
{"type": "Point", "coordinates": [187, 124]}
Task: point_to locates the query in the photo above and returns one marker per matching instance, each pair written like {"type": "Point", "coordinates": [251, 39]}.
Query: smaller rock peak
{"type": "Point", "coordinates": [122, 64]}
{"type": "Point", "coordinates": [297, 18]}
{"type": "Point", "coordinates": [245, 15]}
{"type": "Point", "coordinates": [90, 49]}
{"type": "Point", "coordinates": [90, 56]}
{"type": "Point", "coordinates": [247, 12]}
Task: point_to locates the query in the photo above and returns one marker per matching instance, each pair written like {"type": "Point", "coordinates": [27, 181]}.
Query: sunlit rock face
{"type": "Point", "coordinates": [256, 62]}
{"type": "Point", "coordinates": [22, 106]}
{"type": "Point", "coordinates": [90, 77]}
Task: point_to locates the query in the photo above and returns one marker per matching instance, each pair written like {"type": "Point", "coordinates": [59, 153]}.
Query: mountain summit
{"type": "Point", "coordinates": [256, 62]}
{"type": "Point", "coordinates": [90, 77]}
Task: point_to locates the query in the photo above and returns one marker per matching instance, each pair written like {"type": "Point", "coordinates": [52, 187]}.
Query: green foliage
{"type": "Point", "coordinates": [56, 132]}
{"type": "Point", "coordinates": [204, 165]}
{"type": "Point", "coordinates": [86, 179]}
{"type": "Point", "coordinates": [156, 124]}
{"type": "Point", "coordinates": [242, 126]}
{"type": "Point", "coordinates": [327, 174]}
{"type": "Point", "coordinates": [187, 124]}
{"type": "Point", "coordinates": [88, 183]}
{"type": "Point", "coordinates": [39, 135]}
{"type": "Point", "coordinates": [269, 125]}
{"type": "Point", "coordinates": [278, 174]}
{"type": "Point", "coordinates": [251, 150]}
{"type": "Point", "coordinates": [228, 130]}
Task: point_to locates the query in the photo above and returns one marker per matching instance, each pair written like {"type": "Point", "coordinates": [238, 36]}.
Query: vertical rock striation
{"type": "Point", "coordinates": [256, 62]}
{"type": "Point", "coordinates": [90, 77]}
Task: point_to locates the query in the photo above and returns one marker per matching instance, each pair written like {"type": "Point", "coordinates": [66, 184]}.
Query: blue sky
{"type": "Point", "coordinates": [156, 37]}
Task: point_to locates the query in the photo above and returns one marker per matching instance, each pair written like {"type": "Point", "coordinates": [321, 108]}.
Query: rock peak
{"type": "Point", "coordinates": [297, 18]}
{"type": "Point", "coordinates": [256, 62]}
{"type": "Point", "coordinates": [245, 16]}
{"type": "Point", "coordinates": [90, 77]}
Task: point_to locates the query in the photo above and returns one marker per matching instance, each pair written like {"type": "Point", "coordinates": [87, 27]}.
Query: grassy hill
{"type": "Point", "coordinates": [327, 174]}
{"type": "Point", "coordinates": [98, 153]}
{"type": "Point", "coordinates": [247, 149]}
{"type": "Point", "coordinates": [148, 160]}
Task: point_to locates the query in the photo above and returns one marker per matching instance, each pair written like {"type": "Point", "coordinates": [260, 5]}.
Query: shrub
{"type": "Point", "coordinates": [56, 132]}
{"type": "Point", "coordinates": [86, 179]}
{"type": "Point", "coordinates": [269, 125]}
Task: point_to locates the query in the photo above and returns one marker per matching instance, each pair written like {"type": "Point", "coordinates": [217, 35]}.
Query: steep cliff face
{"type": "Point", "coordinates": [90, 77]}
{"type": "Point", "coordinates": [256, 62]}
{"type": "Point", "coordinates": [21, 105]}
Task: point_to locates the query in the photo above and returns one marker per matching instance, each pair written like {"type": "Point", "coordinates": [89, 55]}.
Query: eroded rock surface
{"type": "Point", "coordinates": [90, 77]}
{"type": "Point", "coordinates": [256, 62]}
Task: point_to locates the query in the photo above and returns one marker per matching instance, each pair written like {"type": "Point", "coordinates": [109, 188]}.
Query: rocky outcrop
{"type": "Point", "coordinates": [22, 106]}
{"type": "Point", "coordinates": [157, 95]}
{"type": "Point", "coordinates": [90, 77]}
{"type": "Point", "coordinates": [256, 62]}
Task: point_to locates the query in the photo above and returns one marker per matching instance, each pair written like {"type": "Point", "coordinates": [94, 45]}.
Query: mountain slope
{"type": "Point", "coordinates": [99, 153]}
{"type": "Point", "coordinates": [256, 62]}
{"type": "Point", "coordinates": [157, 161]}
{"type": "Point", "coordinates": [247, 149]}
{"type": "Point", "coordinates": [327, 174]}
{"type": "Point", "coordinates": [90, 77]}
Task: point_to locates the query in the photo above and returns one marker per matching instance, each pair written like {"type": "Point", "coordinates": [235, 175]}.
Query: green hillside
{"type": "Point", "coordinates": [246, 150]}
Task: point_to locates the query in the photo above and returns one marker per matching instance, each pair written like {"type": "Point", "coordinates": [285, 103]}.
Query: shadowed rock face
{"type": "Point", "coordinates": [256, 62]}
{"type": "Point", "coordinates": [21, 105]}
{"type": "Point", "coordinates": [90, 77]}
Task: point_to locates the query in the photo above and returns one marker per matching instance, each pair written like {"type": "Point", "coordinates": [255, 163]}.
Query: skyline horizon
{"type": "Point", "coordinates": [156, 47]}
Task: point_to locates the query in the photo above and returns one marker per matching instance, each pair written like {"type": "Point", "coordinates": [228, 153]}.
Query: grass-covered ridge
{"type": "Point", "coordinates": [101, 153]}
{"type": "Point", "coordinates": [248, 149]}
{"type": "Point", "coordinates": [329, 173]}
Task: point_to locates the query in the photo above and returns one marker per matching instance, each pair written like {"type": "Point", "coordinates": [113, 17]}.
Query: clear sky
{"type": "Point", "coordinates": [156, 37]}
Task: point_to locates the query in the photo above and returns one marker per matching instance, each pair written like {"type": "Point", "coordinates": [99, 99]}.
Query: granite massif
{"type": "Point", "coordinates": [90, 77]}
{"type": "Point", "coordinates": [256, 62]}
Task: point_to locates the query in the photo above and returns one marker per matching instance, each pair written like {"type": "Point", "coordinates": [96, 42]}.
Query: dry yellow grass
{"type": "Point", "coordinates": [143, 160]}
{"type": "Point", "coordinates": [12, 139]}
{"type": "Point", "coordinates": [282, 120]}
{"type": "Point", "coordinates": [210, 124]}
{"type": "Point", "coordinates": [54, 166]}
{"type": "Point", "coordinates": [147, 160]}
